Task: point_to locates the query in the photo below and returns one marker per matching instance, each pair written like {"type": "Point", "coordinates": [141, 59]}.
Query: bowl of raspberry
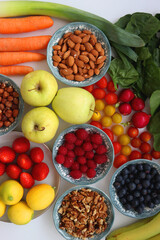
{"type": "Point", "coordinates": [83, 154]}
{"type": "Point", "coordinates": [135, 188]}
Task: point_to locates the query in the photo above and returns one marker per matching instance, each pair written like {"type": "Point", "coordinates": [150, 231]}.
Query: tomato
{"type": "Point", "coordinates": [96, 116]}
{"type": "Point", "coordinates": [89, 88]}
{"type": "Point", "coordinates": [117, 130]}
{"type": "Point", "coordinates": [96, 124]}
{"type": "Point", "coordinates": [126, 150]}
{"type": "Point", "coordinates": [109, 110]}
{"type": "Point", "coordinates": [111, 87]}
{"type": "Point", "coordinates": [117, 147]}
{"type": "Point", "coordinates": [124, 139]}
{"type": "Point", "coordinates": [109, 133]}
{"type": "Point", "coordinates": [145, 147]}
{"type": "Point", "coordinates": [111, 98]}
{"type": "Point", "coordinates": [99, 105]}
{"type": "Point", "coordinates": [102, 83]}
{"type": "Point", "coordinates": [117, 117]}
{"type": "Point", "coordinates": [155, 154]}
{"type": "Point", "coordinates": [119, 160]}
{"type": "Point", "coordinates": [136, 142]}
{"type": "Point", "coordinates": [145, 136]}
{"type": "Point", "coordinates": [98, 93]}
{"type": "Point", "coordinates": [133, 132]}
{"type": "Point", "coordinates": [147, 156]}
{"type": "Point", "coordinates": [135, 155]}
{"type": "Point", "coordinates": [106, 121]}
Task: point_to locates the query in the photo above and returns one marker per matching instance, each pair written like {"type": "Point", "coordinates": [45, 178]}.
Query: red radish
{"type": "Point", "coordinates": [140, 119]}
{"type": "Point", "coordinates": [126, 95]}
{"type": "Point", "coordinates": [125, 108]}
{"type": "Point", "coordinates": [137, 104]}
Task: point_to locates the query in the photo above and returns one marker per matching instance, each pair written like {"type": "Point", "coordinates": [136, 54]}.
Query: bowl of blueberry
{"type": "Point", "coordinates": [135, 188]}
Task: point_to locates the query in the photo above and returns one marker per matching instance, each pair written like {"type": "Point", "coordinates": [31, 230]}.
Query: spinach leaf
{"type": "Point", "coordinates": [154, 101]}
{"type": "Point", "coordinates": [156, 144]}
{"type": "Point", "coordinates": [143, 53]}
{"type": "Point", "coordinates": [123, 21]}
{"type": "Point", "coordinates": [154, 124]}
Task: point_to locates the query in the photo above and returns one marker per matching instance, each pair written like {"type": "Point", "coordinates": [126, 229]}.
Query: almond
{"type": "Point", "coordinates": [87, 31]}
{"type": "Point", "coordinates": [55, 63]}
{"type": "Point", "coordinates": [70, 43]}
{"type": "Point", "coordinates": [94, 38]}
{"type": "Point", "coordinates": [60, 41]}
{"type": "Point", "coordinates": [84, 58]}
{"type": "Point", "coordinates": [101, 52]}
{"type": "Point", "coordinates": [80, 71]}
{"type": "Point", "coordinates": [77, 32]}
{"type": "Point", "coordinates": [100, 59]}
{"type": "Point", "coordinates": [88, 46]}
{"type": "Point", "coordinates": [94, 52]}
{"type": "Point", "coordinates": [55, 52]}
{"type": "Point", "coordinates": [100, 65]}
{"type": "Point", "coordinates": [84, 70]}
{"type": "Point", "coordinates": [75, 69]}
{"type": "Point", "coordinates": [64, 47]}
{"type": "Point", "coordinates": [56, 58]}
{"type": "Point", "coordinates": [75, 38]}
{"type": "Point", "coordinates": [91, 63]}
{"type": "Point", "coordinates": [74, 53]}
{"type": "Point", "coordinates": [98, 47]}
{"type": "Point", "coordinates": [67, 34]}
{"type": "Point", "coordinates": [67, 71]}
{"type": "Point", "coordinates": [61, 73]}
{"type": "Point", "coordinates": [77, 47]}
{"type": "Point", "coordinates": [66, 54]}
{"type": "Point", "coordinates": [70, 77]}
{"type": "Point", "coordinates": [79, 63]}
{"type": "Point", "coordinates": [87, 66]}
{"type": "Point", "coordinates": [57, 47]}
{"type": "Point", "coordinates": [79, 78]}
{"type": "Point", "coordinates": [82, 47]}
{"type": "Point", "coordinates": [82, 35]}
{"type": "Point", "coordinates": [92, 42]}
{"type": "Point", "coordinates": [70, 61]}
{"type": "Point", "coordinates": [60, 53]}
{"type": "Point", "coordinates": [86, 75]}
{"type": "Point", "coordinates": [96, 71]}
{"type": "Point", "coordinates": [84, 53]}
{"type": "Point", "coordinates": [90, 72]}
{"type": "Point", "coordinates": [62, 65]}
{"type": "Point", "coordinates": [92, 57]}
{"type": "Point", "coordinates": [85, 38]}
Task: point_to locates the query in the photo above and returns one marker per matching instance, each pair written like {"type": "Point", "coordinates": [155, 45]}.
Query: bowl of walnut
{"type": "Point", "coordinates": [79, 54]}
{"type": "Point", "coordinates": [11, 105]}
{"type": "Point", "coordinates": [83, 213]}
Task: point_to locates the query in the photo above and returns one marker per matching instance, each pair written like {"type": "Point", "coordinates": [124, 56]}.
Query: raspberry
{"type": "Point", "coordinates": [81, 160]}
{"type": "Point", "coordinates": [62, 150]}
{"type": "Point", "coordinates": [88, 139]}
{"type": "Point", "coordinates": [79, 151]}
{"type": "Point", "coordinates": [87, 146]}
{"type": "Point", "coordinates": [83, 168]}
{"type": "Point", "coordinates": [94, 146]}
{"type": "Point", "coordinates": [89, 155]}
{"type": "Point", "coordinates": [101, 149]}
{"type": "Point", "coordinates": [71, 154]}
{"type": "Point", "coordinates": [100, 158]}
{"type": "Point", "coordinates": [78, 142]}
{"type": "Point", "coordinates": [91, 164]}
{"type": "Point", "coordinates": [76, 174]}
{"type": "Point", "coordinates": [81, 134]}
{"type": "Point", "coordinates": [91, 173]}
{"type": "Point", "coordinates": [60, 158]}
{"type": "Point", "coordinates": [69, 146]}
{"type": "Point", "coordinates": [2, 168]}
{"type": "Point", "coordinates": [96, 138]}
{"type": "Point", "coordinates": [70, 137]}
{"type": "Point", "coordinates": [68, 162]}
{"type": "Point", "coordinates": [75, 166]}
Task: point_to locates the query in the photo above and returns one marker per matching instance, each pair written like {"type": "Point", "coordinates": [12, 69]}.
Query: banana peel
{"type": "Point", "coordinates": [157, 237]}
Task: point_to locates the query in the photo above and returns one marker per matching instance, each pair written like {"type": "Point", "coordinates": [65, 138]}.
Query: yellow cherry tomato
{"type": "Point", "coordinates": [117, 117]}
{"type": "Point", "coordinates": [124, 139]}
{"type": "Point", "coordinates": [99, 105]}
{"type": "Point", "coordinates": [109, 110]}
{"type": "Point", "coordinates": [106, 121]}
{"type": "Point", "coordinates": [126, 150]}
{"type": "Point", "coordinates": [96, 116]}
{"type": "Point", "coordinates": [117, 130]}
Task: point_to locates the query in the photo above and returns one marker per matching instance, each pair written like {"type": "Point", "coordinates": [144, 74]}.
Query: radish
{"type": "Point", "coordinates": [140, 119]}
{"type": "Point", "coordinates": [125, 108]}
{"type": "Point", "coordinates": [137, 104]}
{"type": "Point", "coordinates": [126, 95]}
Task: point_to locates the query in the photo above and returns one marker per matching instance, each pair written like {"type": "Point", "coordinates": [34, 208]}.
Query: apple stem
{"type": "Point", "coordinates": [36, 88]}
{"type": "Point", "coordinates": [36, 128]}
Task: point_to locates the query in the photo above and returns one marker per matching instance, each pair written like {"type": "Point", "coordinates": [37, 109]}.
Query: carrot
{"type": "Point", "coordinates": [11, 58]}
{"type": "Point", "coordinates": [24, 44]}
{"type": "Point", "coordinates": [15, 70]}
{"type": "Point", "coordinates": [24, 24]}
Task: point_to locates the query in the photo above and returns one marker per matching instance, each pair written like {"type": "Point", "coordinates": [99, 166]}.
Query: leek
{"type": "Point", "coordinates": [113, 32]}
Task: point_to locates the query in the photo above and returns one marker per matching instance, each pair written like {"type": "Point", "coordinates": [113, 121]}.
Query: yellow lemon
{"type": "Point", "coordinates": [40, 196]}
{"type": "Point", "coordinates": [124, 139]}
{"type": "Point", "coordinates": [99, 105]}
{"type": "Point", "coordinates": [11, 192]}
{"type": "Point", "coordinates": [20, 213]}
{"type": "Point", "coordinates": [106, 121]}
{"type": "Point", "coordinates": [117, 118]}
{"type": "Point", "coordinates": [96, 116]}
{"type": "Point", "coordinates": [2, 208]}
{"type": "Point", "coordinates": [109, 110]}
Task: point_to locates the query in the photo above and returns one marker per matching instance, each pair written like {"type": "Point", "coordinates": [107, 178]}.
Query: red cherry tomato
{"type": "Point", "coordinates": [96, 124]}
{"type": "Point", "coordinates": [111, 87]}
{"type": "Point", "coordinates": [133, 132]}
{"type": "Point", "coordinates": [155, 154]}
{"type": "Point", "coordinates": [147, 156]}
{"type": "Point", "coordinates": [145, 147]}
{"type": "Point", "coordinates": [119, 160]}
{"type": "Point", "coordinates": [145, 136]}
{"type": "Point", "coordinates": [111, 98]}
{"type": "Point", "coordinates": [102, 83]}
{"type": "Point", "coordinates": [98, 93]}
{"type": "Point", "coordinates": [135, 155]}
{"type": "Point", "coordinates": [136, 142]}
{"type": "Point", "coordinates": [109, 133]}
{"type": "Point", "coordinates": [89, 88]}
{"type": "Point", "coordinates": [117, 147]}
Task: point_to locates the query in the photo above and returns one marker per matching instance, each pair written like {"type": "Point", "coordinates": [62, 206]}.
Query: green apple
{"type": "Point", "coordinates": [40, 124]}
{"type": "Point", "coordinates": [38, 88]}
{"type": "Point", "coordinates": [74, 105]}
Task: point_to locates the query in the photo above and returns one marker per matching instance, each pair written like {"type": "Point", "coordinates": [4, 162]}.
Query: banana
{"type": "Point", "coordinates": [157, 237]}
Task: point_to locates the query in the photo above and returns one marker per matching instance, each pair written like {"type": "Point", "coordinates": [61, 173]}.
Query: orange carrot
{"type": "Point", "coordinates": [24, 24]}
{"type": "Point", "coordinates": [15, 70]}
{"type": "Point", "coordinates": [11, 58]}
{"type": "Point", "coordinates": [24, 44]}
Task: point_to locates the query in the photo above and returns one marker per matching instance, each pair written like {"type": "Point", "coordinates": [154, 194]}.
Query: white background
{"type": "Point", "coordinates": [43, 227]}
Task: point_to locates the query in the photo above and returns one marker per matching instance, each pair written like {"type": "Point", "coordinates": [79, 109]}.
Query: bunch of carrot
{"type": "Point", "coordinates": [13, 50]}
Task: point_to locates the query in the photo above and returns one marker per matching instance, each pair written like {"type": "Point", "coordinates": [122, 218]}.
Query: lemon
{"type": "Point", "coordinates": [11, 192]}
{"type": "Point", "coordinates": [40, 196]}
{"type": "Point", "coordinates": [2, 208]}
{"type": "Point", "coordinates": [20, 213]}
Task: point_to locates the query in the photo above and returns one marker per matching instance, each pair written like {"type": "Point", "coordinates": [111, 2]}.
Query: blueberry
{"type": "Point", "coordinates": [150, 204]}
{"type": "Point", "coordinates": [123, 200]}
{"type": "Point", "coordinates": [127, 180]}
{"type": "Point", "coordinates": [141, 199]}
{"type": "Point", "coordinates": [134, 203]}
{"type": "Point", "coordinates": [140, 167]}
{"type": "Point", "coordinates": [127, 206]}
{"type": "Point", "coordinates": [125, 171]}
{"type": "Point", "coordinates": [131, 168]}
{"type": "Point", "coordinates": [139, 210]}
{"type": "Point", "coordinates": [117, 185]}
{"type": "Point", "coordinates": [142, 175]}
{"type": "Point", "coordinates": [129, 197]}
{"type": "Point", "coordinates": [157, 177]}
{"type": "Point", "coordinates": [144, 192]}
{"type": "Point", "coordinates": [132, 186]}
{"type": "Point", "coordinates": [153, 171]}
{"type": "Point", "coordinates": [131, 176]}
{"type": "Point", "coordinates": [119, 178]}
{"type": "Point", "coordinates": [148, 176]}
{"type": "Point", "coordinates": [137, 181]}
{"type": "Point", "coordinates": [139, 187]}
{"type": "Point", "coordinates": [146, 167]}
{"type": "Point", "coordinates": [158, 196]}
{"type": "Point", "coordinates": [121, 192]}
{"type": "Point", "coordinates": [147, 198]}
{"type": "Point", "coordinates": [156, 201]}
{"type": "Point", "coordinates": [157, 185]}
{"type": "Point", "coordinates": [149, 191]}
{"type": "Point", "coordinates": [136, 194]}
{"type": "Point", "coordinates": [154, 194]}
{"type": "Point", "coordinates": [145, 183]}
{"type": "Point", "coordinates": [123, 182]}
{"type": "Point", "coordinates": [152, 186]}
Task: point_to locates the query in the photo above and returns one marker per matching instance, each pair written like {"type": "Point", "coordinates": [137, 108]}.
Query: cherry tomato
{"type": "Point", "coordinates": [102, 83]}
{"type": "Point", "coordinates": [119, 160]}
{"type": "Point", "coordinates": [96, 116]}
{"type": "Point", "coordinates": [145, 136]}
{"type": "Point", "coordinates": [155, 154]}
{"type": "Point", "coordinates": [136, 142]}
{"type": "Point", "coordinates": [147, 156]}
{"type": "Point", "coordinates": [133, 132]}
{"type": "Point", "coordinates": [124, 139]}
{"type": "Point", "coordinates": [98, 93]}
{"type": "Point", "coordinates": [117, 147]}
{"type": "Point", "coordinates": [89, 88]}
{"type": "Point", "coordinates": [117, 130]}
{"type": "Point", "coordinates": [126, 150]}
{"type": "Point", "coordinates": [117, 117]}
{"type": "Point", "coordinates": [111, 87]}
{"type": "Point", "coordinates": [106, 121]}
{"type": "Point", "coordinates": [96, 124]}
{"type": "Point", "coordinates": [109, 133]}
{"type": "Point", "coordinates": [135, 155]}
{"type": "Point", "coordinates": [109, 110]}
{"type": "Point", "coordinates": [145, 147]}
{"type": "Point", "coordinates": [99, 105]}
{"type": "Point", "coordinates": [111, 98]}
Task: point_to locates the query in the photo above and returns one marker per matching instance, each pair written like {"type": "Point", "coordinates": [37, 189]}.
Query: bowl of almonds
{"type": "Point", "coordinates": [11, 105]}
{"type": "Point", "coordinates": [79, 54]}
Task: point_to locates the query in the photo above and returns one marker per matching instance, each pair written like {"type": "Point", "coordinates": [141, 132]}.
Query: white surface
{"type": "Point", "coordinates": [42, 227]}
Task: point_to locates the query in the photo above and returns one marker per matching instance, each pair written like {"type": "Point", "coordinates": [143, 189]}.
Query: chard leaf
{"type": "Point", "coordinates": [154, 124]}
{"type": "Point", "coordinates": [154, 101]}
{"type": "Point", "coordinates": [143, 53]}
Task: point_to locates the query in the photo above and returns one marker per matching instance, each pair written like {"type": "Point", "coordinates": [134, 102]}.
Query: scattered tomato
{"type": "Point", "coordinates": [117, 130]}
{"type": "Point", "coordinates": [135, 155]}
{"type": "Point", "coordinates": [111, 98]}
{"type": "Point", "coordinates": [21, 145]}
{"type": "Point", "coordinates": [145, 136]}
{"type": "Point", "coordinates": [117, 147]}
{"type": "Point", "coordinates": [109, 133]}
{"type": "Point", "coordinates": [96, 124]}
{"type": "Point", "coordinates": [119, 160]}
{"type": "Point", "coordinates": [89, 88]}
{"type": "Point", "coordinates": [111, 87]}
{"type": "Point", "coordinates": [98, 93]}
{"type": "Point", "coordinates": [24, 161]}
{"type": "Point", "coordinates": [126, 150]}
{"type": "Point", "coordinates": [102, 83]}
{"type": "Point", "coordinates": [37, 154]}
{"type": "Point", "coordinates": [99, 105]}
{"type": "Point", "coordinates": [147, 156]}
{"type": "Point", "coordinates": [136, 142]}
{"type": "Point", "coordinates": [124, 139]}
{"type": "Point", "coordinates": [117, 117]}
{"type": "Point", "coordinates": [13, 171]}
{"type": "Point", "coordinates": [145, 147]}
{"type": "Point", "coordinates": [96, 116]}
{"type": "Point", "coordinates": [155, 154]}
{"type": "Point", "coordinates": [133, 132]}
{"type": "Point", "coordinates": [109, 110]}
{"type": "Point", "coordinates": [106, 121]}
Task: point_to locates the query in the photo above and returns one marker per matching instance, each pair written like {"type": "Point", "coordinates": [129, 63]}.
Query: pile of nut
{"type": "Point", "coordinates": [83, 213]}
{"type": "Point", "coordinates": [9, 104]}
{"type": "Point", "coordinates": [78, 55]}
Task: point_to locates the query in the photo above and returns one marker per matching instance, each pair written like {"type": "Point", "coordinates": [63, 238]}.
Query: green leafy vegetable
{"type": "Point", "coordinates": [154, 101]}
{"type": "Point", "coordinates": [154, 128]}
